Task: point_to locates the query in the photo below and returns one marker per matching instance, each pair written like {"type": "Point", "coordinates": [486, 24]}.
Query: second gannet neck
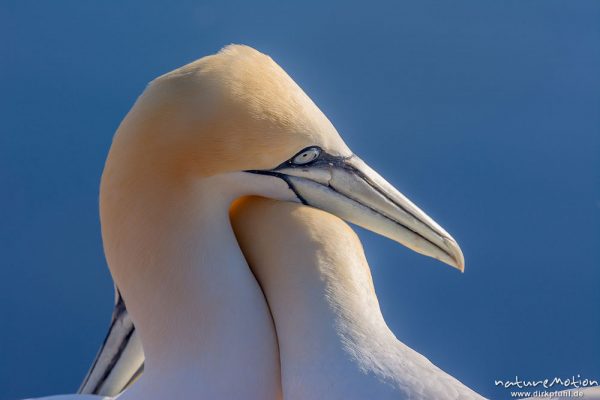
{"type": "Point", "coordinates": [333, 340]}
{"type": "Point", "coordinates": [332, 336]}
{"type": "Point", "coordinates": [197, 308]}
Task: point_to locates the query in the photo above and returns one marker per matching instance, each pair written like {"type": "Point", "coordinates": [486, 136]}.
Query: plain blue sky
{"type": "Point", "coordinates": [485, 113]}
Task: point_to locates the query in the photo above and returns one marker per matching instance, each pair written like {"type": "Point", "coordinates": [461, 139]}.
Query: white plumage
{"type": "Point", "coordinates": [333, 340]}
{"type": "Point", "coordinates": [222, 128]}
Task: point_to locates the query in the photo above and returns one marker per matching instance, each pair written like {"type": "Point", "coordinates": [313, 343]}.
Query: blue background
{"type": "Point", "coordinates": [485, 113]}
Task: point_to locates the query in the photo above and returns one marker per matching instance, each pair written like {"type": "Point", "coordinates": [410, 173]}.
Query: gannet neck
{"type": "Point", "coordinates": [333, 340]}
{"type": "Point", "coordinates": [199, 312]}
{"type": "Point", "coordinates": [230, 125]}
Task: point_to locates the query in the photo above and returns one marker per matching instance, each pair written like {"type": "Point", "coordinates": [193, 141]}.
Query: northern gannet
{"type": "Point", "coordinates": [226, 126]}
{"type": "Point", "coordinates": [333, 340]}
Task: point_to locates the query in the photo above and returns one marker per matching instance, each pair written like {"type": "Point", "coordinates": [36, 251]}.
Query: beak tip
{"type": "Point", "coordinates": [459, 265]}
{"type": "Point", "coordinates": [457, 254]}
{"type": "Point", "coordinates": [460, 262]}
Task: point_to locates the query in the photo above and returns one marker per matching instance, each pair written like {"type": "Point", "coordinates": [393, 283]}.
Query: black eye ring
{"type": "Point", "coordinates": [306, 156]}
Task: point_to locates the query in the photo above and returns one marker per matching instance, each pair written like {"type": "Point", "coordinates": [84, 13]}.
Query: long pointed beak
{"type": "Point", "coordinates": [351, 190]}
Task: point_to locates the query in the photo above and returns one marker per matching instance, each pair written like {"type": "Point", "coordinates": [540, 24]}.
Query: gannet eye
{"type": "Point", "coordinates": [305, 156]}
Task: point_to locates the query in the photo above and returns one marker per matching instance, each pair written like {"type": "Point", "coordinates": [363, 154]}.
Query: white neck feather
{"type": "Point", "coordinates": [200, 314]}
{"type": "Point", "coordinates": [333, 340]}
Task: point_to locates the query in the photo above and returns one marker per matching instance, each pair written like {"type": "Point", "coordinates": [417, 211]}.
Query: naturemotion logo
{"type": "Point", "coordinates": [546, 387]}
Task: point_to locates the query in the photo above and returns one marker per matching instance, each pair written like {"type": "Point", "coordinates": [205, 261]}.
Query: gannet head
{"type": "Point", "coordinates": [238, 114]}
